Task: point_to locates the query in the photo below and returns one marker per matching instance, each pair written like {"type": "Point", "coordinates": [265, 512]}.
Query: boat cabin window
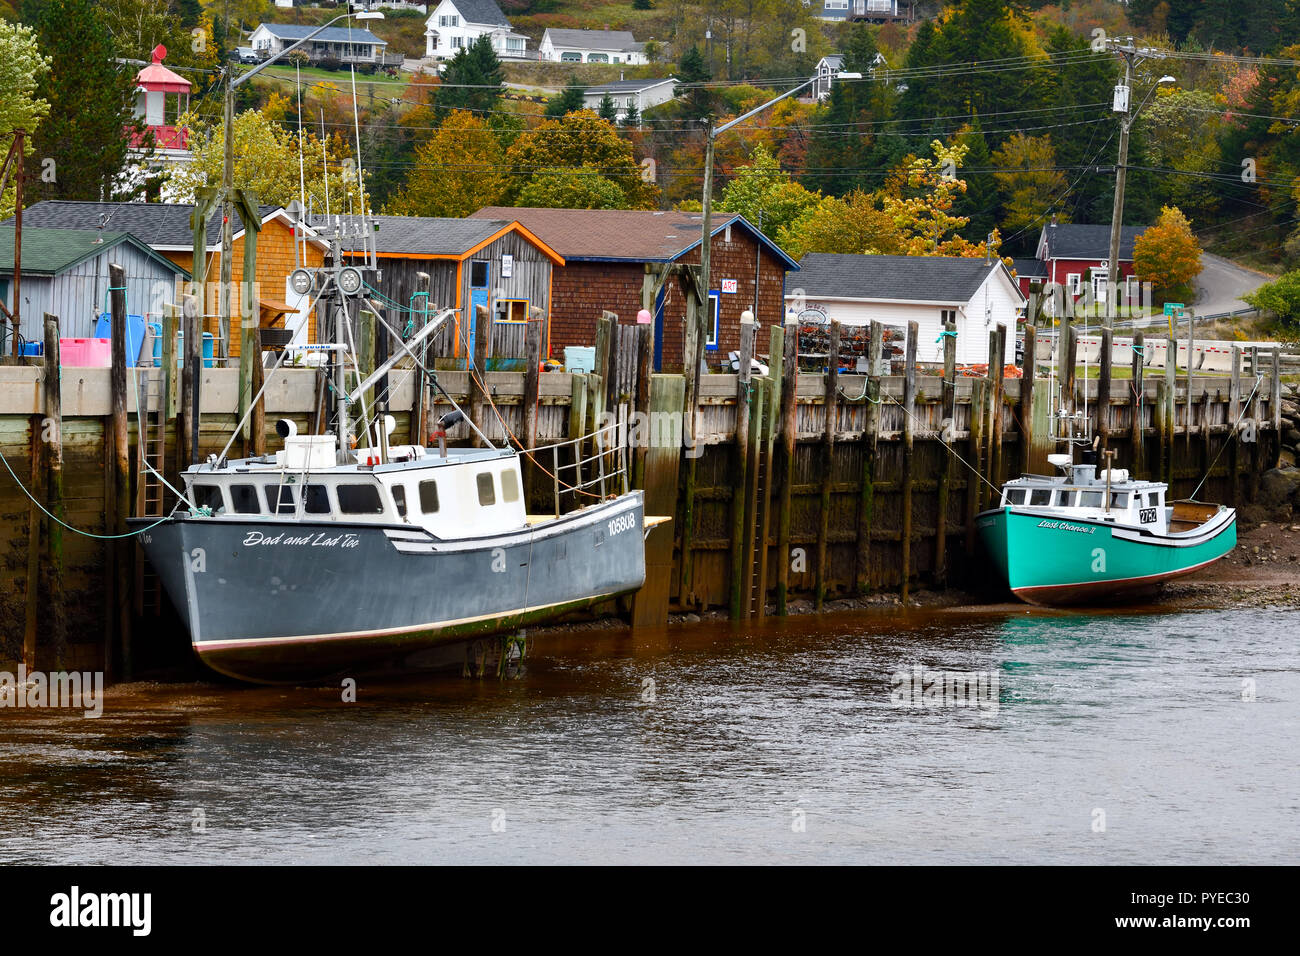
{"type": "Point", "coordinates": [359, 500]}
{"type": "Point", "coordinates": [399, 499]}
{"type": "Point", "coordinates": [1153, 499]}
{"type": "Point", "coordinates": [280, 500]}
{"type": "Point", "coordinates": [1040, 496]}
{"type": "Point", "coordinates": [486, 493]}
{"type": "Point", "coordinates": [429, 497]}
{"type": "Point", "coordinates": [1065, 499]}
{"type": "Point", "coordinates": [243, 499]}
{"type": "Point", "coordinates": [1119, 499]}
{"type": "Point", "coordinates": [509, 486]}
{"type": "Point", "coordinates": [1090, 499]}
{"type": "Point", "coordinates": [315, 499]}
{"type": "Point", "coordinates": [209, 496]}
{"type": "Point", "coordinates": [1015, 496]}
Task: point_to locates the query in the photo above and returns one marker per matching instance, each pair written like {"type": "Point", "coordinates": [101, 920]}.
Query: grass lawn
{"type": "Point", "coordinates": [384, 86]}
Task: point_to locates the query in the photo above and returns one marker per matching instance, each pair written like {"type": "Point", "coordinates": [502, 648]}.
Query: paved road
{"type": "Point", "coordinates": [1221, 284]}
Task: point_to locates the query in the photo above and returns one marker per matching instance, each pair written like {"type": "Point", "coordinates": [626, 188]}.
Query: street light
{"type": "Point", "coordinates": [228, 161]}
{"type": "Point", "coordinates": [1121, 105]}
{"type": "Point", "coordinates": [706, 227]}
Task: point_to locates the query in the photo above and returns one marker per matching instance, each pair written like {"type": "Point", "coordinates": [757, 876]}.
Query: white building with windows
{"type": "Point", "coordinates": [643, 94]}
{"type": "Point", "coordinates": [346, 44]}
{"type": "Point", "coordinates": [455, 24]}
{"type": "Point", "coordinates": [976, 295]}
{"type": "Point", "coordinates": [591, 46]}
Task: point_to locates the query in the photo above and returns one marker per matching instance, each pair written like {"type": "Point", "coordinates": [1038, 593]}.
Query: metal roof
{"type": "Point", "coordinates": [50, 252]}
{"type": "Point", "coordinates": [893, 278]}
{"type": "Point", "coordinates": [479, 11]}
{"type": "Point", "coordinates": [157, 225]}
{"type": "Point", "coordinates": [426, 235]}
{"type": "Point", "coordinates": [621, 40]}
{"type": "Point", "coordinates": [1079, 241]}
{"type": "Point", "coordinates": [629, 86]}
{"type": "Point", "coordinates": [294, 31]}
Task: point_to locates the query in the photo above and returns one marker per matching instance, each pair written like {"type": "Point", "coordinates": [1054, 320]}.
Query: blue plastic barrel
{"type": "Point", "coordinates": [134, 334]}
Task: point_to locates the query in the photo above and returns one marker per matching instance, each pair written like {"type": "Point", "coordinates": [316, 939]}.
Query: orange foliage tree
{"type": "Point", "coordinates": [1167, 254]}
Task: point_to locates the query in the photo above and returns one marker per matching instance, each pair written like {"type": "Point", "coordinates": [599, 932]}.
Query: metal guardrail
{"type": "Point", "coordinates": [605, 467]}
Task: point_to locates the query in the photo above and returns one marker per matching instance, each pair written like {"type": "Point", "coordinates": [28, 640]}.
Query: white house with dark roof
{"type": "Point", "coordinates": [455, 24]}
{"type": "Point", "coordinates": [347, 44]}
{"type": "Point", "coordinates": [643, 94]}
{"type": "Point", "coordinates": [976, 294]}
{"type": "Point", "coordinates": [591, 46]}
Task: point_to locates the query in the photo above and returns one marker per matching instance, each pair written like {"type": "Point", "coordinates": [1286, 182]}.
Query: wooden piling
{"type": "Point", "coordinates": [871, 440]}
{"type": "Point", "coordinates": [191, 376]}
{"type": "Point", "coordinates": [54, 597]}
{"type": "Point", "coordinates": [478, 363]}
{"type": "Point", "coordinates": [789, 386]}
{"type": "Point", "coordinates": [644, 370]}
{"type": "Point", "coordinates": [771, 410]}
{"type": "Point", "coordinates": [1167, 399]}
{"type": "Point", "coordinates": [975, 458]}
{"type": "Point", "coordinates": [663, 460]}
{"type": "Point", "coordinates": [170, 324]}
{"type": "Point", "coordinates": [1028, 370]}
{"type": "Point", "coordinates": [740, 485]}
{"type": "Point", "coordinates": [999, 375]}
{"type": "Point", "coordinates": [948, 426]}
{"type": "Point", "coordinates": [35, 486]}
{"type": "Point", "coordinates": [1234, 412]}
{"type": "Point", "coordinates": [121, 469]}
{"type": "Point", "coordinates": [1103, 387]}
{"type": "Point", "coordinates": [532, 374]}
{"type": "Point", "coordinates": [909, 417]}
{"type": "Point", "coordinates": [1275, 406]}
{"type": "Point", "coordinates": [831, 415]}
{"type": "Point", "coordinates": [1137, 393]}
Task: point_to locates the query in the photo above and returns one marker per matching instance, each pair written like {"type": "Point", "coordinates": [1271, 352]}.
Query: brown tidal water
{"type": "Point", "coordinates": [770, 744]}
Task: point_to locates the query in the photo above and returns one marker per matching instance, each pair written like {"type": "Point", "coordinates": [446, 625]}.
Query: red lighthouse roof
{"type": "Point", "coordinates": [156, 78]}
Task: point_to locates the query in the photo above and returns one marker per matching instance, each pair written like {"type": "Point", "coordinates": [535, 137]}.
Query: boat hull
{"type": "Point", "coordinates": [1052, 560]}
{"type": "Point", "coordinates": [276, 601]}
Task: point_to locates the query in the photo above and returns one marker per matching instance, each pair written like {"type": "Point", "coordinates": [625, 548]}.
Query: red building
{"type": "Point", "coordinates": [1077, 257]}
{"type": "Point", "coordinates": [609, 254]}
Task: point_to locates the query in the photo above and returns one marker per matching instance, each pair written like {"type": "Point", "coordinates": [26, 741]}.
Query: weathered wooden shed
{"type": "Point", "coordinates": [470, 262]}
{"type": "Point", "coordinates": [65, 272]}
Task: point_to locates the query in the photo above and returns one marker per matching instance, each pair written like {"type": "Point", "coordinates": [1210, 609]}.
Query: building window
{"type": "Point", "coordinates": [948, 315]}
{"type": "Point", "coordinates": [1073, 283]}
{"type": "Point", "coordinates": [458, 42]}
{"type": "Point", "coordinates": [711, 328]}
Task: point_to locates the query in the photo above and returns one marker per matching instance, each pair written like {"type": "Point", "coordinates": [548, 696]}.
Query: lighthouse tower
{"type": "Point", "coordinates": [154, 84]}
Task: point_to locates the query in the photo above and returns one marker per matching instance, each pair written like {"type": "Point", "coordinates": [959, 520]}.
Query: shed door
{"type": "Point", "coordinates": [480, 273]}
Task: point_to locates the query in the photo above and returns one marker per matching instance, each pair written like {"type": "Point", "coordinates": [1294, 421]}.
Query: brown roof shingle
{"type": "Point", "coordinates": [633, 234]}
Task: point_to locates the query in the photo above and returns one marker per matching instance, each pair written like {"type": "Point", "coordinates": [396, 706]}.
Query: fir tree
{"type": "Point", "coordinates": [471, 80]}
{"type": "Point", "coordinates": [607, 110]}
{"type": "Point", "coordinates": [85, 136]}
{"type": "Point", "coordinates": [567, 100]}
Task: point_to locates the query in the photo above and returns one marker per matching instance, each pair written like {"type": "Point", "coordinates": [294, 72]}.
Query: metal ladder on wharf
{"type": "Point", "coordinates": [151, 449]}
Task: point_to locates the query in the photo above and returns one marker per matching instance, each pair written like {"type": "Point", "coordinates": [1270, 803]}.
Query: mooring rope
{"type": "Point", "coordinates": [1231, 438]}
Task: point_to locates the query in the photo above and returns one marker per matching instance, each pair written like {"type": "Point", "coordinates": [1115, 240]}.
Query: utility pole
{"type": "Point", "coordinates": [13, 164]}
{"type": "Point", "coordinates": [1122, 104]}
{"type": "Point", "coordinates": [228, 162]}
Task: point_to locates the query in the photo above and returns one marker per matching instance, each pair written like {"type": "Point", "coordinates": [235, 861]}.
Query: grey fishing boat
{"type": "Point", "coordinates": [283, 571]}
{"type": "Point", "coordinates": [325, 559]}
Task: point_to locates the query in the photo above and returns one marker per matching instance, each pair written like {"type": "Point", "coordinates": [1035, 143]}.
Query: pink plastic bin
{"type": "Point", "coordinates": [87, 353]}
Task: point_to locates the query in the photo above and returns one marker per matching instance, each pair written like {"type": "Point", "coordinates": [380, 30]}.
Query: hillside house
{"type": "Point", "coordinates": [591, 46]}
{"type": "Point", "coordinates": [455, 24]}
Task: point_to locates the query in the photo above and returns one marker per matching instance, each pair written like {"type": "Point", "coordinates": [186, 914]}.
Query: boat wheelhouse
{"type": "Point", "coordinates": [1082, 538]}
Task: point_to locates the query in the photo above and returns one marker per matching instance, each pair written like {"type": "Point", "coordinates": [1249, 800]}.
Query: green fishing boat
{"type": "Point", "coordinates": [1084, 537]}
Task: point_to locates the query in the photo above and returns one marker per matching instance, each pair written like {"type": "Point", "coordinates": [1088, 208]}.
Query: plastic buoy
{"type": "Point", "coordinates": [644, 317]}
